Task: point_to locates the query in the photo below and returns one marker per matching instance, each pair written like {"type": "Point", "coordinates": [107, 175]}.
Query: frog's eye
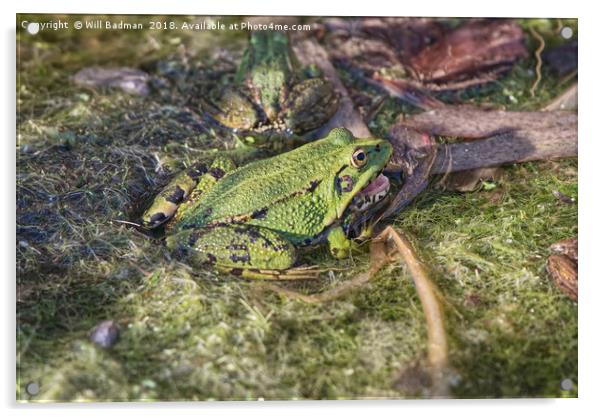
{"type": "Point", "coordinates": [359, 158]}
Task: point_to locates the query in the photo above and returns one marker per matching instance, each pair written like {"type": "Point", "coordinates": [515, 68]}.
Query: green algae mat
{"type": "Point", "coordinates": [110, 109]}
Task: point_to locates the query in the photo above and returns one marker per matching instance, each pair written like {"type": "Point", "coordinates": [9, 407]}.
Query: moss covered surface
{"type": "Point", "coordinates": [87, 158]}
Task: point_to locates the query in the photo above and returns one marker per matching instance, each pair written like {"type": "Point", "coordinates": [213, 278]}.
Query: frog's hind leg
{"type": "Point", "coordinates": [242, 250]}
{"type": "Point", "coordinates": [182, 188]}
{"type": "Point", "coordinates": [309, 104]}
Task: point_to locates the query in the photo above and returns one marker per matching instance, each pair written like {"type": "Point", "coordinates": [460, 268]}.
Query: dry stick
{"type": "Point", "coordinates": [505, 137]}
{"type": "Point", "coordinates": [567, 77]}
{"type": "Point", "coordinates": [504, 149]}
{"type": "Point", "coordinates": [427, 292]}
{"type": "Point", "coordinates": [538, 52]}
{"type": "Point", "coordinates": [567, 100]}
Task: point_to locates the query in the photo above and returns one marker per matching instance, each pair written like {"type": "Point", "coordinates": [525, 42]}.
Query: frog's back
{"type": "Point", "coordinates": [249, 191]}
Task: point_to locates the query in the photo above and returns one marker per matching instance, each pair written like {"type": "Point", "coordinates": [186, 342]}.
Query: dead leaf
{"type": "Point", "coordinates": [562, 266]}
{"type": "Point", "coordinates": [478, 49]}
{"type": "Point", "coordinates": [563, 197]}
{"type": "Point", "coordinates": [372, 44]}
{"type": "Point", "coordinates": [568, 247]}
{"type": "Point", "coordinates": [563, 272]}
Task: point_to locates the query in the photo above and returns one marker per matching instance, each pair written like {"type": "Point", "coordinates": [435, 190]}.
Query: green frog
{"type": "Point", "coordinates": [271, 96]}
{"type": "Point", "coordinates": [251, 221]}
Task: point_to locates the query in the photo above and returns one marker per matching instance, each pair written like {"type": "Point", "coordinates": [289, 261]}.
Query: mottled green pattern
{"type": "Point", "coordinates": [297, 196]}
{"type": "Point", "coordinates": [286, 179]}
{"type": "Point", "coordinates": [206, 182]}
{"type": "Point", "coordinates": [267, 68]}
{"type": "Point", "coordinates": [271, 94]}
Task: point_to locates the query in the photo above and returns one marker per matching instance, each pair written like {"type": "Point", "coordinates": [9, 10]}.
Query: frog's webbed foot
{"type": "Point", "coordinates": [232, 109]}
{"type": "Point", "coordinates": [185, 188]}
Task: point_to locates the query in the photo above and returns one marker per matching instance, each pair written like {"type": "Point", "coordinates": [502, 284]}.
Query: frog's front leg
{"type": "Point", "coordinates": [339, 244]}
{"type": "Point", "coordinates": [242, 250]}
{"type": "Point", "coordinates": [184, 189]}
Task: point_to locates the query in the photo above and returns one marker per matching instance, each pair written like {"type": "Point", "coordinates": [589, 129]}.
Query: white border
{"type": "Point", "coordinates": [590, 152]}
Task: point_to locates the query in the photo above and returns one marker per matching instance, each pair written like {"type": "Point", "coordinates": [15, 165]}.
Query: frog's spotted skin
{"type": "Point", "coordinates": [235, 249]}
{"type": "Point", "coordinates": [271, 99]}
{"type": "Point", "coordinates": [220, 167]}
{"type": "Point", "coordinates": [166, 204]}
{"type": "Point", "coordinates": [251, 221]}
{"type": "Point", "coordinates": [266, 68]}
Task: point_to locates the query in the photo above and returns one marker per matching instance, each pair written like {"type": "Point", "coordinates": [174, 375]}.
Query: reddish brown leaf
{"type": "Point", "coordinates": [475, 47]}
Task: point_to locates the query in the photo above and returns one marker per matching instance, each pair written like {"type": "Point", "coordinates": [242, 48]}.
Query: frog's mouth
{"type": "Point", "coordinates": [375, 191]}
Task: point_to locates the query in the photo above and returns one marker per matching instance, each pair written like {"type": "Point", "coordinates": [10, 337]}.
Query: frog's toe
{"type": "Point", "coordinates": [155, 219]}
{"type": "Point", "coordinates": [292, 274]}
{"type": "Point", "coordinates": [340, 246]}
{"type": "Point", "coordinates": [161, 211]}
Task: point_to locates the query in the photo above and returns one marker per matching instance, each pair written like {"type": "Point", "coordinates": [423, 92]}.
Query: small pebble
{"type": "Point", "coordinates": [105, 334]}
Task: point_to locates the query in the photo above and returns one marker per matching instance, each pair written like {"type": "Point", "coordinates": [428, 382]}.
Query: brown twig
{"type": "Point", "coordinates": [567, 77]}
{"type": "Point", "coordinates": [505, 137]}
{"type": "Point", "coordinates": [540, 48]}
{"type": "Point", "coordinates": [427, 292]}
{"type": "Point", "coordinates": [378, 259]}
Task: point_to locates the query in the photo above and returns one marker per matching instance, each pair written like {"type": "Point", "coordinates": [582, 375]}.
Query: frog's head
{"type": "Point", "coordinates": [358, 179]}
